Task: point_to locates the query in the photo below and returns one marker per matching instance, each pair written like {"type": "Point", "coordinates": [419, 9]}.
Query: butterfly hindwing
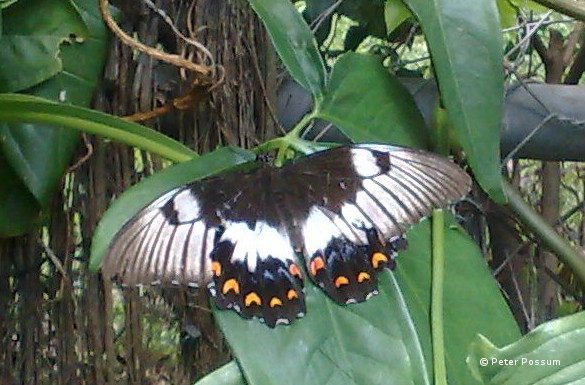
{"type": "Point", "coordinates": [256, 274]}
{"type": "Point", "coordinates": [239, 234]}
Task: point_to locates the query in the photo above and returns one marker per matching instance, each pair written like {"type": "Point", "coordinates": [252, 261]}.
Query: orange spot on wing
{"type": "Point", "coordinates": [216, 268]}
{"type": "Point", "coordinates": [316, 265]}
{"type": "Point", "coordinates": [294, 270]}
{"type": "Point", "coordinates": [378, 258]}
{"type": "Point", "coordinates": [291, 294]}
{"type": "Point", "coordinates": [341, 280]}
{"type": "Point", "coordinates": [252, 298]}
{"type": "Point", "coordinates": [231, 284]}
{"type": "Point", "coordinates": [274, 301]}
{"type": "Point", "coordinates": [363, 276]}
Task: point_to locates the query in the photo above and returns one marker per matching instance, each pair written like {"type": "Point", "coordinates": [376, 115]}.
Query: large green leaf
{"type": "Point", "coordinates": [229, 374]}
{"type": "Point", "coordinates": [466, 46]}
{"type": "Point", "coordinates": [552, 353]}
{"type": "Point", "coordinates": [294, 42]}
{"type": "Point", "coordinates": [28, 60]}
{"type": "Point", "coordinates": [32, 33]}
{"type": "Point", "coordinates": [395, 13]}
{"type": "Point", "coordinates": [368, 104]}
{"type": "Point", "coordinates": [469, 290]}
{"type": "Point", "coordinates": [19, 209]}
{"type": "Point", "coordinates": [39, 154]}
{"type": "Point", "coordinates": [369, 343]}
{"type": "Point", "coordinates": [374, 342]}
{"type": "Point", "coordinates": [140, 195]}
{"type": "Point", "coordinates": [30, 148]}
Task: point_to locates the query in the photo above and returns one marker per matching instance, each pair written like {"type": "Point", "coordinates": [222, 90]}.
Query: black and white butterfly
{"type": "Point", "coordinates": [241, 234]}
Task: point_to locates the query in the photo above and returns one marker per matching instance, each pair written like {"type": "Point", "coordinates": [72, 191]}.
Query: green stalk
{"type": "Point", "coordinates": [17, 108]}
{"type": "Point", "coordinates": [441, 131]}
{"type": "Point", "coordinates": [570, 8]}
{"type": "Point", "coordinates": [545, 233]}
{"type": "Point", "coordinates": [292, 139]}
{"type": "Point", "coordinates": [296, 131]}
{"type": "Point", "coordinates": [437, 283]}
{"type": "Point", "coordinates": [441, 125]}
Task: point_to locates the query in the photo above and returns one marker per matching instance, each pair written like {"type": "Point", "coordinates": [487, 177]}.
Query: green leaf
{"type": "Point", "coordinates": [508, 10]}
{"type": "Point", "coordinates": [529, 4]}
{"type": "Point", "coordinates": [43, 17]}
{"type": "Point", "coordinates": [20, 211]}
{"type": "Point", "coordinates": [32, 34]}
{"type": "Point", "coordinates": [5, 4]}
{"type": "Point", "coordinates": [372, 342]}
{"type": "Point", "coordinates": [469, 289]}
{"type": "Point", "coordinates": [140, 195]}
{"type": "Point", "coordinates": [530, 360]}
{"type": "Point", "coordinates": [507, 13]}
{"type": "Point", "coordinates": [395, 13]}
{"type": "Point", "coordinates": [294, 43]}
{"type": "Point", "coordinates": [28, 60]}
{"type": "Point", "coordinates": [466, 46]}
{"type": "Point", "coordinates": [30, 148]}
{"type": "Point", "coordinates": [229, 374]}
{"type": "Point", "coordinates": [365, 343]}
{"type": "Point", "coordinates": [368, 104]}
{"type": "Point", "coordinates": [24, 108]}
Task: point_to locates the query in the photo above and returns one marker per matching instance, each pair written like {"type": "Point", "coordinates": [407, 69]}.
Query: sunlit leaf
{"type": "Point", "coordinates": [466, 46]}
{"type": "Point", "coordinates": [368, 104]}
{"type": "Point", "coordinates": [372, 342]}
{"type": "Point", "coordinates": [229, 374]}
{"type": "Point", "coordinates": [550, 354]}
{"type": "Point", "coordinates": [395, 13]}
{"type": "Point", "coordinates": [294, 42]}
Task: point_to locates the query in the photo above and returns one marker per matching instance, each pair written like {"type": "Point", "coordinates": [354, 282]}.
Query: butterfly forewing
{"type": "Point", "coordinates": [344, 209]}
{"type": "Point", "coordinates": [163, 244]}
{"type": "Point", "coordinates": [379, 192]}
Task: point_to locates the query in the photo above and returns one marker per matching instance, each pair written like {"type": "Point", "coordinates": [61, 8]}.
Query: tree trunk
{"type": "Point", "coordinates": [64, 324]}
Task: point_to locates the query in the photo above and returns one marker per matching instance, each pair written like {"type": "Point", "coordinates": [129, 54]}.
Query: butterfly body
{"type": "Point", "coordinates": [344, 210]}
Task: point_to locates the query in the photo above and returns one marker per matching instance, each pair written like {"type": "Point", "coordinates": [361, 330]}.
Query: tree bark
{"type": "Point", "coordinates": [68, 328]}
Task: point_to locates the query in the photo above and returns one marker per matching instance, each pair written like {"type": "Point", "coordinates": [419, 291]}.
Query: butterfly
{"type": "Point", "coordinates": [242, 234]}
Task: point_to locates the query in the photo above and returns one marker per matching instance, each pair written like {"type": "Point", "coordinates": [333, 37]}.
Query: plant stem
{"type": "Point", "coordinates": [437, 283]}
{"type": "Point", "coordinates": [566, 7]}
{"type": "Point", "coordinates": [296, 131]}
{"type": "Point", "coordinates": [545, 233]}
{"type": "Point", "coordinates": [268, 145]}
{"type": "Point", "coordinates": [441, 131]}
{"type": "Point", "coordinates": [16, 108]}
